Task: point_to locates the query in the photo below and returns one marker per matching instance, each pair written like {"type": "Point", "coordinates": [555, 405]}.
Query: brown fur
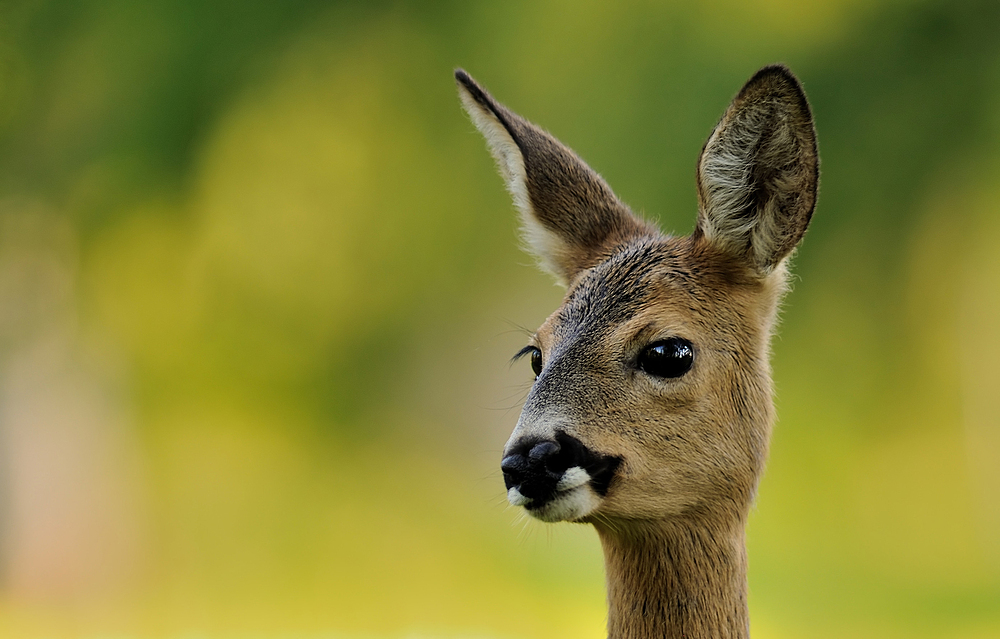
{"type": "Point", "coordinates": [693, 447]}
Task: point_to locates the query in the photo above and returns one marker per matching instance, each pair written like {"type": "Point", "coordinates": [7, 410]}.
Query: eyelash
{"type": "Point", "coordinates": [536, 358]}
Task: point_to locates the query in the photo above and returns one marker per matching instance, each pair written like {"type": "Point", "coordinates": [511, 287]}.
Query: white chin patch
{"type": "Point", "coordinates": [573, 500]}
{"type": "Point", "coordinates": [572, 505]}
{"type": "Point", "coordinates": [515, 497]}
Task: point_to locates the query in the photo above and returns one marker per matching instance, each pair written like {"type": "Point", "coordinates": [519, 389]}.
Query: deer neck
{"type": "Point", "coordinates": [672, 579]}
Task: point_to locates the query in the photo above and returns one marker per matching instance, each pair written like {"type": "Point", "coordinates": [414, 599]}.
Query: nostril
{"type": "Point", "coordinates": [514, 464]}
{"type": "Point", "coordinates": [526, 467]}
{"type": "Point", "coordinates": [515, 468]}
{"type": "Point", "coordinates": [541, 450]}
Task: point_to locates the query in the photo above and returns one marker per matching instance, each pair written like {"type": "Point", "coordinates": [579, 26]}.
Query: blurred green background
{"type": "Point", "coordinates": [259, 284]}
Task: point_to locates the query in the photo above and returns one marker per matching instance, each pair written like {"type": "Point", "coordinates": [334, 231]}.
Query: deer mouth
{"type": "Point", "coordinates": [557, 480]}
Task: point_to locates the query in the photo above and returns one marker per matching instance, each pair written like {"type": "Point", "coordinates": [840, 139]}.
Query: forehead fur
{"type": "Point", "coordinates": [647, 273]}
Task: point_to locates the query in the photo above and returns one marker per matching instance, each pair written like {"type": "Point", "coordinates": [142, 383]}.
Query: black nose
{"type": "Point", "coordinates": [535, 466]}
{"type": "Point", "coordinates": [528, 461]}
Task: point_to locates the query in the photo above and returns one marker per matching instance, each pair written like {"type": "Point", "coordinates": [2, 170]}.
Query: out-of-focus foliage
{"type": "Point", "coordinates": [259, 283]}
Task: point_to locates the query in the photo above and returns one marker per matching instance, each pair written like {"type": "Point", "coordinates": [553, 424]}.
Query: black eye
{"type": "Point", "coordinates": [536, 358]}
{"type": "Point", "coordinates": [536, 362]}
{"type": "Point", "coordinates": [668, 358]}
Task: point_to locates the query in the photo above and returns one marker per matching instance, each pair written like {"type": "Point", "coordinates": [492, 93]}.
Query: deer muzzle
{"type": "Point", "coordinates": [557, 479]}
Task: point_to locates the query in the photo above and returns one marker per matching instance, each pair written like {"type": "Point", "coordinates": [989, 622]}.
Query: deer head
{"type": "Point", "coordinates": [652, 397]}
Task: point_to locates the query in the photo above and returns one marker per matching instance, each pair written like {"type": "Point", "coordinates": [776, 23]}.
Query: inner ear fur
{"type": "Point", "coordinates": [570, 216]}
{"type": "Point", "coordinates": [758, 172]}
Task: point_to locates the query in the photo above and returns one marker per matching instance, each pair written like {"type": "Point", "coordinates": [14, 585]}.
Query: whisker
{"type": "Point", "coordinates": [517, 328]}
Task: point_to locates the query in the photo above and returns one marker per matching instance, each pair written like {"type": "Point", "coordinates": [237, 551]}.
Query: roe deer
{"type": "Point", "coordinates": [651, 409]}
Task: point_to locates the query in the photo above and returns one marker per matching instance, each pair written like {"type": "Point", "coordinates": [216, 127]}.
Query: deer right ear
{"type": "Point", "coordinates": [570, 216]}
{"type": "Point", "coordinates": [758, 172]}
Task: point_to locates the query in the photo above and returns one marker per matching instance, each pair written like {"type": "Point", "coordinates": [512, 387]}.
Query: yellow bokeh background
{"type": "Point", "coordinates": [259, 285]}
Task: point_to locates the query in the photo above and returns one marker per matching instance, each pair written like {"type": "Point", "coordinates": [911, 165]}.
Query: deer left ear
{"type": "Point", "coordinates": [758, 172]}
{"type": "Point", "coordinates": [570, 216]}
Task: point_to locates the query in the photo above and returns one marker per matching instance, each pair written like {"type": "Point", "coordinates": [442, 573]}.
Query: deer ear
{"type": "Point", "coordinates": [758, 172]}
{"type": "Point", "coordinates": [571, 218]}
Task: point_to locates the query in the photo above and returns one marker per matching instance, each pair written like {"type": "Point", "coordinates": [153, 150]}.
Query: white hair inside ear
{"type": "Point", "coordinates": [758, 172]}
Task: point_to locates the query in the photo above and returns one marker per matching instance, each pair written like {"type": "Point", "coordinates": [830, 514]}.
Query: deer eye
{"type": "Point", "coordinates": [536, 358]}
{"type": "Point", "coordinates": [536, 362]}
{"type": "Point", "coordinates": [667, 358]}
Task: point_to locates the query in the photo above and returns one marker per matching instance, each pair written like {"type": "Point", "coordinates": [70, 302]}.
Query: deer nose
{"type": "Point", "coordinates": [527, 461]}
{"type": "Point", "coordinates": [535, 470]}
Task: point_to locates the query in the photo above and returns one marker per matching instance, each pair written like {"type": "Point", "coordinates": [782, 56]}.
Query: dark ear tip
{"type": "Point", "coordinates": [777, 78]}
{"type": "Point", "coordinates": [775, 70]}
{"type": "Point", "coordinates": [477, 92]}
{"type": "Point", "coordinates": [466, 82]}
